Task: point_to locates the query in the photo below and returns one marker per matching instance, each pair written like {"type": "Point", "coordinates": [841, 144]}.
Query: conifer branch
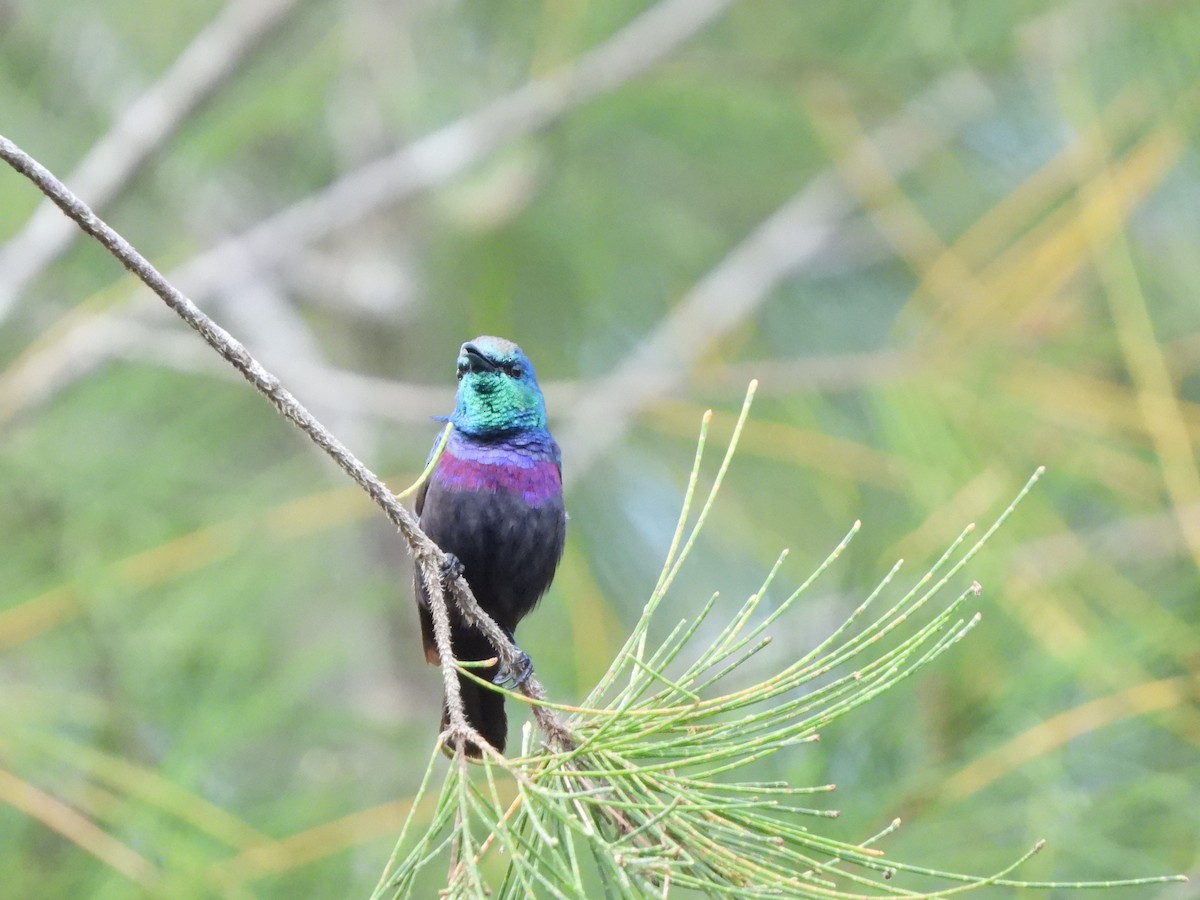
{"type": "Point", "coordinates": [642, 796]}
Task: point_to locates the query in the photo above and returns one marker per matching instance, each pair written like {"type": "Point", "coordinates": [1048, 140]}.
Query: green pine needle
{"type": "Point", "coordinates": [647, 800]}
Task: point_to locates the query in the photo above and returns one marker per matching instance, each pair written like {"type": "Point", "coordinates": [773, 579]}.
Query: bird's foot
{"type": "Point", "coordinates": [513, 678]}
{"type": "Point", "coordinates": [452, 568]}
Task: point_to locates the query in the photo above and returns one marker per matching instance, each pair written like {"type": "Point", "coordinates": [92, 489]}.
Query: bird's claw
{"type": "Point", "coordinates": [513, 678]}
{"type": "Point", "coordinates": [452, 568]}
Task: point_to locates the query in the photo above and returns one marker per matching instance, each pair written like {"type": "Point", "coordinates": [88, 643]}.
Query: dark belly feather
{"type": "Point", "coordinates": [509, 550]}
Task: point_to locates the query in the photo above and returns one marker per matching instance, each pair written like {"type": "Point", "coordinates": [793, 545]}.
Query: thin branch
{"type": "Point", "coordinates": [425, 552]}
{"type": "Point", "coordinates": [790, 237]}
{"type": "Point", "coordinates": [405, 402]}
{"type": "Point", "coordinates": [39, 374]}
{"type": "Point", "coordinates": [140, 131]}
{"type": "Point", "coordinates": [75, 348]}
{"type": "Point", "coordinates": [442, 155]}
{"type": "Point", "coordinates": [267, 320]}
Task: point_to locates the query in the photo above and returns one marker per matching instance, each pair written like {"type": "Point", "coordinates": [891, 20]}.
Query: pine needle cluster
{"type": "Point", "coordinates": [645, 801]}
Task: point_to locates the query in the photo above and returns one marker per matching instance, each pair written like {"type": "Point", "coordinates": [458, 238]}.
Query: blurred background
{"type": "Point", "coordinates": [954, 241]}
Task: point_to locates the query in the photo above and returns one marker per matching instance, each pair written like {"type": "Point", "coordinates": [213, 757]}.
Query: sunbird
{"type": "Point", "coordinates": [494, 504]}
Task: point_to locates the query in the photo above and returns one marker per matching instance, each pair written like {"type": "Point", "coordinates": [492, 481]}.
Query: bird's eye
{"type": "Point", "coordinates": [514, 370]}
{"type": "Point", "coordinates": [462, 370]}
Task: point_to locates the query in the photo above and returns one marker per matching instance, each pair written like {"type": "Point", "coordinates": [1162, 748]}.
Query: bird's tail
{"type": "Point", "coordinates": [484, 708]}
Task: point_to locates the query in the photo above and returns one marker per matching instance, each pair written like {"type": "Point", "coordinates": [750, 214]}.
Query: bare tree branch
{"type": "Point", "coordinates": [787, 239]}
{"type": "Point", "coordinates": [426, 553]}
{"type": "Point", "coordinates": [268, 321]}
{"type": "Point", "coordinates": [438, 157]}
{"type": "Point", "coordinates": [79, 348]}
{"type": "Point", "coordinates": [388, 400]}
{"type": "Point", "coordinates": [144, 127]}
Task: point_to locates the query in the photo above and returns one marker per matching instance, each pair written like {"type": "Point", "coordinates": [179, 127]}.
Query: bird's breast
{"type": "Point", "coordinates": [536, 481]}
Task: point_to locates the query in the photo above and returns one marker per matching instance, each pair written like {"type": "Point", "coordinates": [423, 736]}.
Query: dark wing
{"type": "Point", "coordinates": [419, 502]}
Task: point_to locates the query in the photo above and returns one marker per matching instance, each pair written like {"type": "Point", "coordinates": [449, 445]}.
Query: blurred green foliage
{"type": "Point", "coordinates": [210, 679]}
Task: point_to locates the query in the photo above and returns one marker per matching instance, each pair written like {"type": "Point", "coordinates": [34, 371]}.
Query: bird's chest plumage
{"type": "Point", "coordinates": [498, 471]}
{"type": "Point", "coordinates": [499, 509]}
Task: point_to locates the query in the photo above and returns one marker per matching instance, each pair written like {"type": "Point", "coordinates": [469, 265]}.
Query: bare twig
{"type": "Point", "coordinates": [425, 552]}
{"type": "Point", "coordinates": [71, 353]}
{"type": "Point", "coordinates": [557, 735]}
{"type": "Point", "coordinates": [267, 320]}
{"type": "Point", "coordinates": [441, 155]}
{"type": "Point", "coordinates": [143, 128]}
{"type": "Point", "coordinates": [390, 400]}
{"type": "Point", "coordinates": [787, 239]}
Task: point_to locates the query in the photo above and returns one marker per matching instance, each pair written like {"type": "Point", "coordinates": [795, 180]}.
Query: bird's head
{"type": "Point", "coordinates": [498, 391]}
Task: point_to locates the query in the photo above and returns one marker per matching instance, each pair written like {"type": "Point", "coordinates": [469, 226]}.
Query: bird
{"type": "Point", "coordinates": [494, 505]}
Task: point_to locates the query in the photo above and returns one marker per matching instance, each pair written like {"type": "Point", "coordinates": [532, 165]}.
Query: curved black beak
{"type": "Point", "coordinates": [476, 361]}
